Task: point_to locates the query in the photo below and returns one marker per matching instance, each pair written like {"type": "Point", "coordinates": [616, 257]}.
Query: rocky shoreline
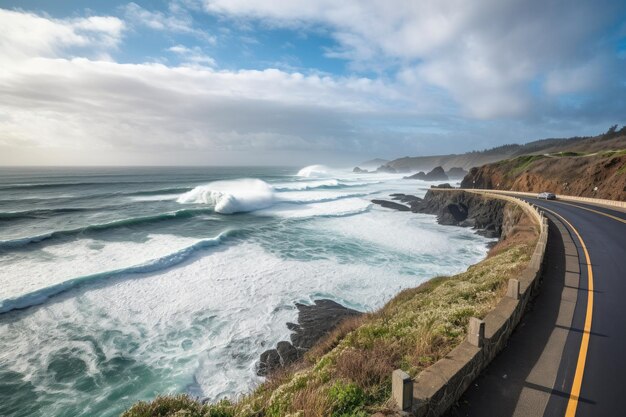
{"type": "Point", "coordinates": [319, 319]}
{"type": "Point", "coordinates": [314, 322]}
{"type": "Point", "coordinates": [453, 209]}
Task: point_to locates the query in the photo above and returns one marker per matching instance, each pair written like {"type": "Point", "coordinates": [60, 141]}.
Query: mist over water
{"type": "Point", "coordinates": [120, 284]}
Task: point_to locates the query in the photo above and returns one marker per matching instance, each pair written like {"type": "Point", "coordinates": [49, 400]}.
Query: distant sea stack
{"type": "Point", "coordinates": [456, 172]}
{"type": "Point", "coordinates": [437, 174]}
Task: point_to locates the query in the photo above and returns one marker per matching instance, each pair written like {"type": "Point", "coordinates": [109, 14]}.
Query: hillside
{"type": "Point", "coordinates": [599, 174]}
{"type": "Point", "coordinates": [611, 140]}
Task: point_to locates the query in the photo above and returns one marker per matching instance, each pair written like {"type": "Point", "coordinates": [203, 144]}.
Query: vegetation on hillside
{"type": "Point", "coordinates": [349, 373]}
{"type": "Point", "coordinates": [597, 170]}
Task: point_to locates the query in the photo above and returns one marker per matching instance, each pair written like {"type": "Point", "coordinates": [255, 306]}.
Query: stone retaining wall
{"type": "Point", "coordinates": [439, 386]}
{"type": "Point", "coordinates": [600, 201]}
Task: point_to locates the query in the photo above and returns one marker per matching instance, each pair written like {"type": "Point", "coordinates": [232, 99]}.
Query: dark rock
{"type": "Point", "coordinates": [437, 174]}
{"type": "Point", "coordinates": [464, 209]}
{"type": "Point", "coordinates": [445, 185]}
{"type": "Point", "coordinates": [314, 322]}
{"type": "Point", "coordinates": [392, 205]}
{"type": "Point", "coordinates": [411, 200]}
{"type": "Point", "coordinates": [456, 172]}
{"type": "Point", "coordinates": [317, 320]}
{"type": "Point", "coordinates": [419, 176]}
{"type": "Point", "coordinates": [358, 170]}
{"type": "Point", "coordinates": [270, 361]}
{"type": "Point", "coordinates": [287, 352]}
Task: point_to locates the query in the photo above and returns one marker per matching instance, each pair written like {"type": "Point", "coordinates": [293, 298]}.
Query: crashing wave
{"type": "Point", "coordinates": [40, 296]}
{"type": "Point", "coordinates": [314, 171]}
{"type": "Point", "coordinates": [235, 196]}
{"type": "Point", "coordinates": [184, 213]}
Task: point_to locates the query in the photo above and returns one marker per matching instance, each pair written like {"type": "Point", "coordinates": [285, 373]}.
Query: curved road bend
{"type": "Point", "coordinates": [540, 371]}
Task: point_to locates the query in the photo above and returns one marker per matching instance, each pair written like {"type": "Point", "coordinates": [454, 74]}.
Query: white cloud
{"type": "Point", "coordinates": [485, 53]}
{"type": "Point", "coordinates": [192, 56]}
{"type": "Point", "coordinates": [54, 101]}
{"type": "Point", "coordinates": [62, 103]}
{"type": "Point", "coordinates": [26, 35]}
{"type": "Point", "coordinates": [178, 20]}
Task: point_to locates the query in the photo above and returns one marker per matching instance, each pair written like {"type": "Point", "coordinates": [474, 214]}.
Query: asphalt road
{"type": "Point", "coordinates": [551, 357]}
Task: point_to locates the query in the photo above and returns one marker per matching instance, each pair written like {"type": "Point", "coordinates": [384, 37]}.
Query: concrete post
{"type": "Point", "coordinates": [402, 389]}
{"type": "Point", "coordinates": [513, 290]}
{"type": "Point", "coordinates": [476, 332]}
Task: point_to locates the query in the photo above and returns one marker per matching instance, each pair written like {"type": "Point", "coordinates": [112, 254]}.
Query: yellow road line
{"type": "Point", "coordinates": [572, 403]}
{"type": "Point", "coordinates": [594, 211]}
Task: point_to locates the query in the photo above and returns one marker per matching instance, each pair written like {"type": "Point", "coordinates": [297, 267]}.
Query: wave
{"type": "Point", "coordinates": [29, 214]}
{"type": "Point", "coordinates": [46, 185]}
{"type": "Point", "coordinates": [235, 196]}
{"type": "Point", "coordinates": [40, 296]}
{"type": "Point", "coordinates": [183, 213]}
{"type": "Point", "coordinates": [290, 200]}
{"type": "Point", "coordinates": [314, 171]}
{"type": "Point", "coordinates": [324, 184]}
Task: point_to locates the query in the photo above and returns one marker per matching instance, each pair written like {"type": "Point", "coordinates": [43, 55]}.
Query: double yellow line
{"type": "Point", "coordinates": [572, 403]}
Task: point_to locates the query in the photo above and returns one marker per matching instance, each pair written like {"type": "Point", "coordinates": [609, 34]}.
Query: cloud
{"type": "Point", "coordinates": [26, 35]}
{"type": "Point", "coordinates": [486, 54]}
{"type": "Point", "coordinates": [192, 56]}
{"type": "Point", "coordinates": [178, 20]}
{"type": "Point", "coordinates": [458, 75]}
{"type": "Point", "coordinates": [53, 100]}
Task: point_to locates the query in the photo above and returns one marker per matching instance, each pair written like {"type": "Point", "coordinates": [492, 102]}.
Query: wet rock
{"type": "Point", "coordinates": [269, 362]}
{"type": "Point", "coordinates": [392, 205]}
{"type": "Point", "coordinates": [314, 322]}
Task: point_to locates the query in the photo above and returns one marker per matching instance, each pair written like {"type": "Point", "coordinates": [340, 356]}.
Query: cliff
{"type": "Point", "coordinates": [611, 140]}
{"type": "Point", "coordinates": [586, 174]}
{"type": "Point", "coordinates": [348, 371]}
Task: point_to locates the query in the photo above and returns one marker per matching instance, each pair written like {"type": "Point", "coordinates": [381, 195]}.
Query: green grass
{"type": "Point", "coordinates": [521, 163]}
{"type": "Point", "coordinates": [349, 373]}
{"type": "Point", "coordinates": [620, 152]}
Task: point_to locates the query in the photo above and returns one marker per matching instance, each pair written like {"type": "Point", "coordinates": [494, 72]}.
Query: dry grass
{"type": "Point", "coordinates": [348, 374]}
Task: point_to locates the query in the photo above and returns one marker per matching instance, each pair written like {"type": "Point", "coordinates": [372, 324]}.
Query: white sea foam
{"type": "Point", "coordinates": [163, 197]}
{"type": "Point", "coordinates": [233, 196]}
{"type": "Point", "coordinates": [337, 208]}
{"type": "Point", "coordinates": [200, 326]}
{"type": "Point", "coordinates": [33, 272]}
{"type": "Point", "coordinates": [306, 185]}
{"type": "Point", "coordinates": [207, 320]}
{"type": "Point", "coordinates": [314, 171]}
{"type": "Point", "coordinates": [316, 196]}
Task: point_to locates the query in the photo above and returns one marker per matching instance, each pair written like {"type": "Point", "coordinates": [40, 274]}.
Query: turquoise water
{"type": "Point", "coordinates": [117, 284]}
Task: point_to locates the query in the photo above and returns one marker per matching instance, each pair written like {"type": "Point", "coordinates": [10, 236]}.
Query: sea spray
{"type": "Point", "coordinates": [228, 197]}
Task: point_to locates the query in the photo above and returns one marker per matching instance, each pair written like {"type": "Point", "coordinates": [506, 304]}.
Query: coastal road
{"type": "Point", "coordinates": [568, 355]}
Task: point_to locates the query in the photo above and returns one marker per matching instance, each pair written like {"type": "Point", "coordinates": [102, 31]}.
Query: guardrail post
{"type": "Point", "coordinates": [476, 332]}
{"type": "Point", "coordinates": [513, 289]}
{"type": "Point", "coordinates": [402, 389]}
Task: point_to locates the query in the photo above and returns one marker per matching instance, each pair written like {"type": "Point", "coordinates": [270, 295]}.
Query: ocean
{"type": "Point", "coordinates": [119, 284]}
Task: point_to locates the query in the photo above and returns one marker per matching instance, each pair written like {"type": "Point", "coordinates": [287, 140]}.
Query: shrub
{"type": "Point", "coordinates": [180, 405]}
{"type": "Point", "coordinates": [347, 399]}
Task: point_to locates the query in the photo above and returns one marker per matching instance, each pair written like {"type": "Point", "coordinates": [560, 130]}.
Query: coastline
{"type": "Point", "coordinates": [283, 392]}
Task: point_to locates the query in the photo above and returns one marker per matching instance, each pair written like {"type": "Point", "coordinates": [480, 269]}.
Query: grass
{"type": "Point", "coordinates": [521, 163]}
{"type": "Point", "coordinates": [619, 152]}
{"type": "Point", "coordinates": [348, 374]}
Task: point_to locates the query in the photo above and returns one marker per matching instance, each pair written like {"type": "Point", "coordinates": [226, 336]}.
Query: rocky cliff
{"type": "Point", "coordinates": [611, 140]}
{"type": "Point", "coordinates": [595, 174]}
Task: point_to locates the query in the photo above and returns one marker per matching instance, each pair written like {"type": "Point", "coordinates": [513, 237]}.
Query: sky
{"type": "Point", "coordinates": [266, 82]}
